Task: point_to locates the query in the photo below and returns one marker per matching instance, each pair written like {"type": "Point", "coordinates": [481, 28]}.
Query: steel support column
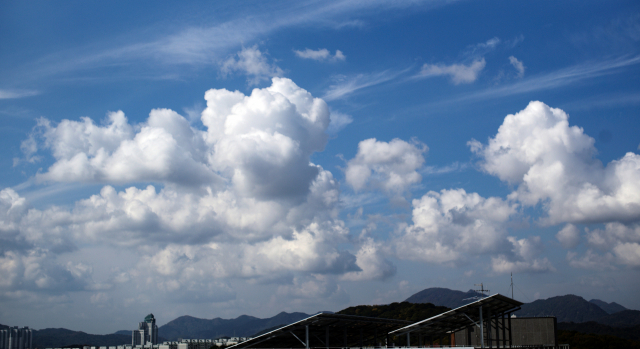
{"type": "Point", "coordinates": [408, 339]}
{"type": "Point", "coordinates": [510, 338]}
{"type": "Point", "coordinates": [327, 338]}
{"type": "Point", "coordinates": [497, 332]}
{"type": "Point", "coordinates": [481, 330]}
{"type": "Point", "coordinates": [504, 334]}
{"type": "Point", "coordinates": [489, 329]}
{"type": "Point", "coordinates": [306, 336]}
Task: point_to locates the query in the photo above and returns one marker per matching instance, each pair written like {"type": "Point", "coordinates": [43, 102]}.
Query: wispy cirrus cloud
{"type": "Point", "coordinates": [556, 79]}
{"type": "Point", "coordinates": [203, 45]}
{"type": "Point", "coordinates": [559, 78]}
{"type": "Point", "coordinates": [13, 94]}
{"type": "Point", "coordinates": [518, 65]}
{"type": "Point", "coordinates": [347, 85]}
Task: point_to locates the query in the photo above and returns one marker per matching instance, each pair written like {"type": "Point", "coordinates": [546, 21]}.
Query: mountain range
{"type": "Point", "coordinates": [568, 308]}
{"type": "Point", "coordinates": [242, 326]}
{"type": "Point", "coordinates": [444, 297]}
{"type": "Point", "coordinates": [61, 337]}
{"type": "Point", "coordinates": [574, 313]}
{"type": "Point", "coordinates": [610, 308]}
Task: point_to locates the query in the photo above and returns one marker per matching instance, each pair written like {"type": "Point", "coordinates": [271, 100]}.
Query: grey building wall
{"type": "Point", "coordinates": [524, 331]}
{"type": "Point", "coordinates": [534, 330]}
{"type": "Point", "coordinates": [16, 338]}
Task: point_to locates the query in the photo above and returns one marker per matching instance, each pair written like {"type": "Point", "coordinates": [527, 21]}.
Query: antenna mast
{"type": "Point", "coordinates": [511, 285]}
{"type": "Point", "coordinates": [481, 290]}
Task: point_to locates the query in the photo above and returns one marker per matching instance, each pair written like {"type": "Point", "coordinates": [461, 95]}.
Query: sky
{"type": "Point", "coordinates": [236, 157]}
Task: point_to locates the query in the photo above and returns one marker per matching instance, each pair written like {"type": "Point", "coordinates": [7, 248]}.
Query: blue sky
{"type": "Point", "coordinates": [248, 158]}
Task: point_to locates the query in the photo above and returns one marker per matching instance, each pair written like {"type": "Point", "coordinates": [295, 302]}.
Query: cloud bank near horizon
{"type": "Point", "coordinates": [241, 200]}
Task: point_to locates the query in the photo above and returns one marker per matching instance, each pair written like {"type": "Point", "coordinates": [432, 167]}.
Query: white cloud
{"type": "Point", "coordinates": [320, 55]}
{"type": "Point", "coordinates": [628, 253]}
{"type": "Point", "coordinates": [459, 73]}
{"type": "Point", "coordinates": [312, 289]}
{"type": "Point", "coordinates": [165, 149]}
{"type": "Point", "coordinates": [268, 213]}
{"type": "Point", "coordinates": [502, 265]}
{"type": "Point", "coordinates": [591, 260]}
{"type": "Point", "coordinates": [37, 270]}
{"type": "Point", "coordinates": [372, 263]}
{"type": "Point", "coordinates": [263, 142]}
{"type": "Point", "coordinates": [338, 122]}
{"type": "Point", "coordinates": [310, 250]}
{"type": "Point", "coordinates": [480, 49]}
{"type": "Point", "coordinates": [200, 45]}
{"type": "Point", "coordinates": [523, 257]}
{"type": "Point", "coordinates": [569, 236]}
{"type": "Point", "coordinates": [100, 298]}
{"type": "Point", "coordinates": [253, 63]}
{"type": "Point", "coordinates": [562, 77]}
{"type": "Point", "coordinates": [13, 94]}
{"type": "Point", "coordinates": [552, 162]}
{"type": "Point", "coordinates": [439, 170]}
{"type": "Point", "coordinates": [518, 65]}
{"type": "Point", "coordinates": [391, 167]}
{"type": "Point", "coordinates": [347, 85]}
{"type": "Point", "coordinates": [622, 240]}
{"type": "Point", "coordinates": [452, 225]}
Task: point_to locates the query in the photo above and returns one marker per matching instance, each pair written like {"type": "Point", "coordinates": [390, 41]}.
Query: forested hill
{"type": "Point", "coordinates": [443, 297]}
{"type": "Point", "coordinates": [195, 328]}
{"type": "Point", "coordinates": [569, 308]}
{"type": "Point", "coordinates": [610, 308]}
{"type": "Point", "coordinates": [399, 311]}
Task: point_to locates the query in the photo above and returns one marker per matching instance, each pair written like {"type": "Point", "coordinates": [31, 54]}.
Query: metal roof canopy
{"type": "Point", "coordinates": [462, 317]}
{"type": "Point", "coordinates": [336, 329]}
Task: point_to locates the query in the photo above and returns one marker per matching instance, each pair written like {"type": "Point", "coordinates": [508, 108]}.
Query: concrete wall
{"type": "Point", "coordinates": [525, 331]}
{"type": "Point", "coordinates": [534, 330]}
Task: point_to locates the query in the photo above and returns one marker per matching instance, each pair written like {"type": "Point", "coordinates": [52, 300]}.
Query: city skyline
{"type": "Point", "coordinates": [215, 160]}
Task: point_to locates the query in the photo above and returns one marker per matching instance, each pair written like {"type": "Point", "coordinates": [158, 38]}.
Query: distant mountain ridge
{"type": "Point", "coordinates": [61, 337]}
{"type": "Point", "coordinates": [189, 327]}
{"type": "Point", "coordinates": [443, 297]}
{"type": "Point", "coordinates": [610, 308]}
{"type": "Point", "coordinates": [568, 308]}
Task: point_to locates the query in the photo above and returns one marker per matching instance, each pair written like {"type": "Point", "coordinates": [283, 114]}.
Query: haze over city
{"type": "Point", "coordinates": [229, 158]}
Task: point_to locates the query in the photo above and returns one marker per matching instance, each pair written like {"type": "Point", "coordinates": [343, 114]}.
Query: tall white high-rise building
{"type": "Point", "coordinates": [146, 334]}
{"type": "Point", "coordinates": [16, 338]}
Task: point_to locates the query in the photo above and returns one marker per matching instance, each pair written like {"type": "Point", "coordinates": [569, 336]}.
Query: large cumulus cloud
{"type": "Point", "coordinates": [388, 166]}
{"type": "Point", "coordinates": [450, 225]}
{"type": "Point", "coordinates": [553, 163]}
{"type": "Point", "coordinates": [238, 198]}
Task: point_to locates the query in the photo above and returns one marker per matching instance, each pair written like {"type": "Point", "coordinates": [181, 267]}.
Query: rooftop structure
{"type": "Point", "coordinates": [327, 330]}
{"type": "Point", "coordinates": [483, 314]}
